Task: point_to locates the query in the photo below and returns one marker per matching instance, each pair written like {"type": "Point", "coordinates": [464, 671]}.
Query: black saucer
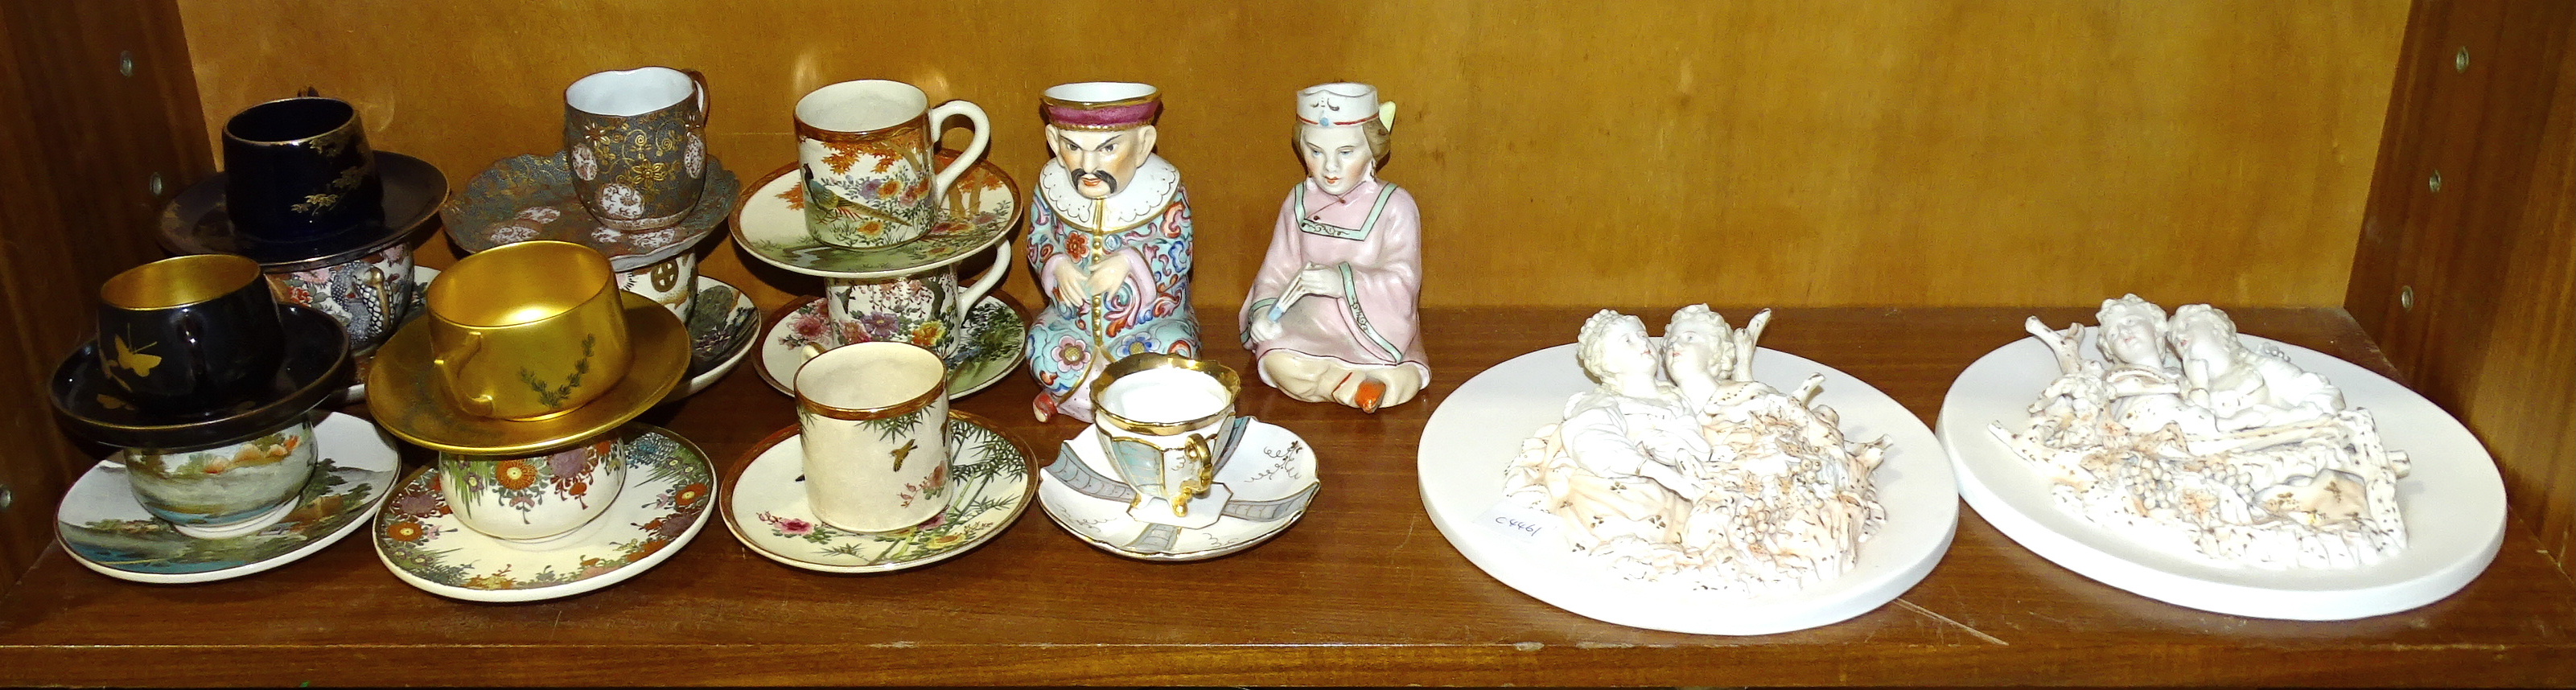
{"type": "Point", "coordinates": [316, 364]}
{"type": "Point", "coordinates": [194, 222]}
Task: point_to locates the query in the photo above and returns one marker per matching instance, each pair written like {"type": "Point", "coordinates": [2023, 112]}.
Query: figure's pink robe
{"type": "Point", "coordinates": [1374, 234]}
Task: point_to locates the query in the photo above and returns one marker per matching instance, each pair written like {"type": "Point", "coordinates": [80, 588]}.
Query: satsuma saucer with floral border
{"type": "Point", "coordinates": [669, 485]}
{"type": "Point", "coordinates": [995, 335]}
{"type": "Point", "coordinates": [979, 210]}
{"type": "Point", "coordinates": [105, 530]}
{"type": "Point", "coordinates": [765, 504]}
{"type": "Point", "coordinates": [1271, 475]}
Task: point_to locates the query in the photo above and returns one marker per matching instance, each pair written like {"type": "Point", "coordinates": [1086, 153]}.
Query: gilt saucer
{"type": "Point", "coordinates": [978, 211]}
{"type": "Point", "coordinates": [531, 198]}
{"type": "Point", "coordinates": [662, 506]}
{"type": "Point", "coordinates": [995, 336]}
{"type": "Point", "coordinates": [765, 505]}
{"type": "Point", "coordinates": [1271, 474]}
{"type": "Point", "coordinates": [723, 325]}
{"type": "Point", "coordinates": [105, 530]}
{"type": "Point", "coordinates": [411, 400]}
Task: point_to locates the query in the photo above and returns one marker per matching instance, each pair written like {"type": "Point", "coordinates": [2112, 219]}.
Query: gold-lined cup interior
{"type": "Point", "coordinates": [179, 281]}
{"type": "Point", "coordinates": [519, 283]}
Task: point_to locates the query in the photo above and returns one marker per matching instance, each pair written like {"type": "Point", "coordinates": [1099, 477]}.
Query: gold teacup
{"type": "Point", "coordinates": [528, 331]}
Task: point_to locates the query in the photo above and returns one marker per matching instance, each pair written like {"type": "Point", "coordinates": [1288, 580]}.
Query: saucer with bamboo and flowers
{"type": "Point", "coordinates": [105, 530]}
{"type": "Point", "coordinates": [669, 485]}
{"type": "Point", "coordinates": [988, 485]}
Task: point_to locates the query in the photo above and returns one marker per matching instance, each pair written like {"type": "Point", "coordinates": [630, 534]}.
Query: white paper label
{"type": "Point", "coordinates": [1522, 525]}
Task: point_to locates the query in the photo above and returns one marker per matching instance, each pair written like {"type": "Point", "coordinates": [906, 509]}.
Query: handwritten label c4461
{"type": "Point", "coordinates": [1522, 525]}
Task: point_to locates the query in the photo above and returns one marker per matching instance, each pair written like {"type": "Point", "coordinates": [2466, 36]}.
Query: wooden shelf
{"type": "Point", "coordinates": [1363, 591]}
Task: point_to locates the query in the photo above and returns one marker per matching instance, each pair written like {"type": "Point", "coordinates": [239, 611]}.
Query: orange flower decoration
{"type": "Point", "coordinates": [405, 531]}
{"type": "Point", "coordinates": [690, 494]}
{"type": "Point", "coordinates": [516, 474]}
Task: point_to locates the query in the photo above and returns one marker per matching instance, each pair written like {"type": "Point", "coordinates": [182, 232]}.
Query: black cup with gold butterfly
{"type": "Point", "coordinates": [188, 334]}
{"type": "Point", "coordinates": [195, 350]}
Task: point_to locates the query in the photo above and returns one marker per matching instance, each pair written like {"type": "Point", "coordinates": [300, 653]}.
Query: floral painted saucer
{"type": "Point", "coordinates": [668, 488]}
{"type": "Point", "coordinates": [764, 504]}
{"type": "Point", "coordinates": [979, 210]}
{"type": "Point", "coordinates": [105, 530]}
{"type": "Point", "coordinates": [1271, 474]}
{"type": "Point", "coordinates": [994, 336]}
{"type": "Point", "coordinates": [531, 198]}
{"type": "Point", "coordinates": [723, 324]}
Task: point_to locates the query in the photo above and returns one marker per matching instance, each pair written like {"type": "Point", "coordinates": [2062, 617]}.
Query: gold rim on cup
{"type": "Point", "coordinates": [807, 403]}
{"type": "Point", "coordinates": [1145, 361]}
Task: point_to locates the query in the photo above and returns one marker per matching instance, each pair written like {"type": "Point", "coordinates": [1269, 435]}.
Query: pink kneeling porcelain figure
{"type": "Point", "coordinates": [1331, 315]}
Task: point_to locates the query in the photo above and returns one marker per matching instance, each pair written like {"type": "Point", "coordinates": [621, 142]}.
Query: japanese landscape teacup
{"type": "Point", "coordinates": [864, 147]}
{"type": "Point", "coordinates": [226, 490]}
{"type": "Point", "coordinates": [528, 330]}
{"type": "Point", "coordinates": [189, 334]}
{"type": "Point", "coordinates": [874, 425]}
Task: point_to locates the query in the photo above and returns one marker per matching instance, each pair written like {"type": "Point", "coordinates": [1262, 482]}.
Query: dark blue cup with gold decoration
{"type": "Point", "coordinates": [299, 171]}
{"type": "Point", "coordinates": [188, 334]}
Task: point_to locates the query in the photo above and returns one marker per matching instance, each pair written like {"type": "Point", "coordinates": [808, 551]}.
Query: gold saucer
{"type": "Point", "coordinates": [409, 399]}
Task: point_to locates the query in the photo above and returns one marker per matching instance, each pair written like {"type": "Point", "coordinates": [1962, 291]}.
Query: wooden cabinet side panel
{"type": "Point", "coordinates": [79, 144]}
{"type": "Point", "coordinates": [2470, 287]}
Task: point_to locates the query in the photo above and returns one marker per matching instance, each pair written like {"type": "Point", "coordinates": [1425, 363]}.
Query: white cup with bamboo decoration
{"type": "Point", "coordinates": [1163, 420]}
{"type": "Point", "coordinates": [874, 423]}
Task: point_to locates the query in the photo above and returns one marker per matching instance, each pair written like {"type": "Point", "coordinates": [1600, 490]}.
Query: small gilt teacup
{"type": "Point", "coordinates": [533, 501]}
{"type": "Point", "coordinates": [874, 425]}
{"type": "Point", "coordinates": [528, 331]}
{"type": "Point", "coordinates": [226, 490]}
{"type": "Point", "coordinates": [865, 148]}
{"type": "Point", "coordinates": [1163, 420]}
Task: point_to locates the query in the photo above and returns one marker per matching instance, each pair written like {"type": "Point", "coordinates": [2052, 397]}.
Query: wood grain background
{"type": "Point", "coordinates": [1899, 153]}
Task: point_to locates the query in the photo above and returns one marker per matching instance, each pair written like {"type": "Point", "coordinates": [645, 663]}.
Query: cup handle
{"type": "Point", "coordinates": [974, 148]}
{"type": "Point", "coordinates": [992, 276]}
{"type": "Point", "coordinates": [699, 81]}
{"type": "Point", "coordinates": [450, 363]}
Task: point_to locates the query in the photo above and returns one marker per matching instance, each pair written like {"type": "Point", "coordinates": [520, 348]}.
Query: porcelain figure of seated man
{"type": "Point", "coordinates": [1110, 240]}
{"type": "Point", "coordinates": [1331, 315]}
